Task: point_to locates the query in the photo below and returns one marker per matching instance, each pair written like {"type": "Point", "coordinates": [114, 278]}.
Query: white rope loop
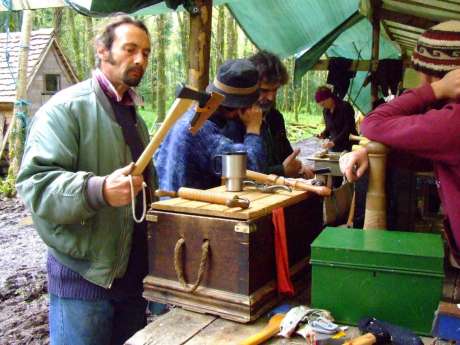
{"type": "Point", "coordinates": [133, 201]}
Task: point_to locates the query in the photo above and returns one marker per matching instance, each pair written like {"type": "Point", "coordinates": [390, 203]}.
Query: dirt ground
{"type": "Point", "coordinates": [23, 291]}
{"type": "Point", "coordinates": [23, 294]}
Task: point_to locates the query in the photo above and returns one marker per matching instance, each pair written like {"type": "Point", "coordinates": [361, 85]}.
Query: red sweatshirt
{"type": "Point", "coordinates": [408, 124]}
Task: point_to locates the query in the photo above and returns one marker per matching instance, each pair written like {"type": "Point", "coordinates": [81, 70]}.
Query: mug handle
{"type": "Point", "coordinates": [215, 165]}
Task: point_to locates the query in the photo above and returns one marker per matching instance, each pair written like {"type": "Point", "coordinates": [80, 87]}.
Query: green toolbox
{"type": "Point", "coordinates": [390, 275]}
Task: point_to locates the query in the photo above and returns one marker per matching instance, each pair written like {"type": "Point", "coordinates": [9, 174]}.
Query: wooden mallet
{"type": "Point", "coordinates": [185, 97]}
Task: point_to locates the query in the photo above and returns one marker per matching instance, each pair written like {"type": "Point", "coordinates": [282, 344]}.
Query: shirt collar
{"type": "Point", "coordinates": [130, 97]}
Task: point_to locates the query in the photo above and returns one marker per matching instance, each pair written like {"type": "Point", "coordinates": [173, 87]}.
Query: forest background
{"type": "Point", "coordinates": [168, 63]}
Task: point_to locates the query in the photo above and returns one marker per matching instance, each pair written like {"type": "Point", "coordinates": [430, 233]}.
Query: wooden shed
{"type": "Point", "coordinates": [48, 71]}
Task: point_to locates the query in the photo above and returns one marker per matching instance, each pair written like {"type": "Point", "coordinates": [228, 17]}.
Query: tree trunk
{"type": "Point", "coordinates": [90, 44]}
{"type": "Point", "coordinates": [75, 45]}
{"type": "Point", "coordinates": [17, 136]}
{"type": "Point", "coordinates": [220, 37]}
{"type": "Point", "coordinates": [230, 33]}
{"type": "Point", "coordinates": [183, 19]}
{"type": "Point", "coordinates": [301, 93]}
{"type": "Point", "coordinates": [200, 45]}
{"type": "Point", "coordinates": [307, 92]}
{"type": "Point", "coordinates": [57, 20]}
{"type": "Point", "coordinates": [161, 65]}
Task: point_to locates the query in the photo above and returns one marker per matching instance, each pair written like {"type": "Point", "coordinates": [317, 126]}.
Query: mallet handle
{"type": "Point", "coordinates": [366, 339]}
{"type": "Point", "coordinates": [274, 179]}
{"type": "Point", "coordinates": [179, 107]}
{"type": "Point", "coordinates": [203, 195]}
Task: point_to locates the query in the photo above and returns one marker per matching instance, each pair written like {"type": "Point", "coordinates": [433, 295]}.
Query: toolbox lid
{"type": "Point", "coordinates": [382, 249]}
{"type": "Point", "coordinates": [261, 204]}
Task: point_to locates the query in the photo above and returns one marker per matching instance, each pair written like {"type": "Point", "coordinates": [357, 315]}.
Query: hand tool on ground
{"type": "Point", "coordinates": [293, 183]}
{"type": "Point", "coordinates": [266, 188]}
{"type": "Point", "coordinates": [369, 339]}
{"type": "Point", "coordinates": [207, 196]}
{"type": "Point", "coordinates": [185, 96]}
{"type": "Point", "coordinates": [397, 334]}
{"type": "Point", "coordinates": [269, 331]}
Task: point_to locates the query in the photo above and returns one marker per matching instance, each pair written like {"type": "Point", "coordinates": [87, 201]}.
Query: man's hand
{"type": "Point", "coordinates": [292, 165]}
{"type": "Point", "coordinates": [252, 119]}
{"type": "Point", "coordinates": [354, 164]}
{"type": "Point", "coordinates": [328, 144]}
{"type": "Point", "coordinates": [307, 172]}
{"type": "Point", "coordinates": [117, 188]}
{"type": "Point", "coordinates": [448, 87]}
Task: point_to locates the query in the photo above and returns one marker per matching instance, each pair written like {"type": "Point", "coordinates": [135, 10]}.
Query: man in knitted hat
{"type": "Point", "coordinates": [186, 160]}
{"type": "Point", "coordinates": [425, 121]}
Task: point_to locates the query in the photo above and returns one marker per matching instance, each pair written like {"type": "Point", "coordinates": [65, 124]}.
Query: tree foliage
{"type": "Point", "coordinates": [169, 58]}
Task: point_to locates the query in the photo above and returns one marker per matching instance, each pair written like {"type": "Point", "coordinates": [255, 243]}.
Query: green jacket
{"type": "Point", "coordinates": [75, 136]}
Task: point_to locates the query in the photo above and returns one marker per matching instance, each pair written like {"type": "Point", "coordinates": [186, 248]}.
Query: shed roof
{"type": "Point", "coordinates": [41, 42]}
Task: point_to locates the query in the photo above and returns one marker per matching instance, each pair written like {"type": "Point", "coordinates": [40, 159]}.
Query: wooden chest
{"type": "Point", "coordinates": [239, 281]}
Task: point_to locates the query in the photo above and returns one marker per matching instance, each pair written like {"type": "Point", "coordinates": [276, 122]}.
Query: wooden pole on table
{"type": "Point", "coordinates": [375, 216]}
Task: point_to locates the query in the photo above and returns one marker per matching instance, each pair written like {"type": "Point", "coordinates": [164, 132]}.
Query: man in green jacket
{"type": "Point", "coordinates": [75, 181]}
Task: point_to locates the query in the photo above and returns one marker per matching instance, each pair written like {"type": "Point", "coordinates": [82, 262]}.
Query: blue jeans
{"type": "Point", "coordinates": [95, 322]}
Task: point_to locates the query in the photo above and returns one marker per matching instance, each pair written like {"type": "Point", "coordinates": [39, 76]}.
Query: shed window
{"type": "Point", "coordinates": [52, 83]}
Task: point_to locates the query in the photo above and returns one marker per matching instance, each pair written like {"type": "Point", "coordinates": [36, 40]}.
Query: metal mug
{"type": "Point", "coordinates": [233, 169]}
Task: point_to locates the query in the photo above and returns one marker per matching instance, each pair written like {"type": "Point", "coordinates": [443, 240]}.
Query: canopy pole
{"type": "Point", "coordinates": [376, 6]}
{"type": "Point", "coordinates": [199, 44]}
{"type": "Point", "coordinates": [17, 134]}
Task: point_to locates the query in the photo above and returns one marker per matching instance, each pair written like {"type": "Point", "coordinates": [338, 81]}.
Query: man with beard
{"type": "Point", "coordinates": [281, 158]}
{"type": "Point", "coordinates": [186, 160]}
{"type": "Point", "coordinates": [75, 179]}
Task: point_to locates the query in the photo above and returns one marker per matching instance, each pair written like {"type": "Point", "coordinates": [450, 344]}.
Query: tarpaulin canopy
{"type": "Point", "coordinates": [306, 29]}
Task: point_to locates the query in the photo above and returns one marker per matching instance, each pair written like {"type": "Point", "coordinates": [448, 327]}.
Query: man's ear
{"type": "Point", "coordinates": [102, 52]}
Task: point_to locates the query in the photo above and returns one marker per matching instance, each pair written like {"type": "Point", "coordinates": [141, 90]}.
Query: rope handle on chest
{"type": "Point", "coordinates": [133, 201]}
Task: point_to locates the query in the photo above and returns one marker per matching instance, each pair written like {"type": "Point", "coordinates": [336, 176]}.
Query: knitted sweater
{"type": "Point", "coordinates": [410, 123]}
{"type": "Point", "coordinates": [186, 160]}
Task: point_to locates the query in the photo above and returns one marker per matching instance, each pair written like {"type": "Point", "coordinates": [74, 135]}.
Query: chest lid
{"type": "Point", "coordinates": [379, 249]}
{"type": "Point", "coordinates": [261, 204]}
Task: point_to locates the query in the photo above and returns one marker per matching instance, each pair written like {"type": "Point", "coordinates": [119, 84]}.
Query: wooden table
{"type": "Point", "coordinates": [182, 327]}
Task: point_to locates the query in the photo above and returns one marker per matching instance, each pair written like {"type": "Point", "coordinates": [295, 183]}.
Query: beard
{"type": "Point", "coordinates": [128, 79]}
{"type": "Point", "coordinates": [131, 80]}
{"type": "Point", "coordinates": [266, 105]}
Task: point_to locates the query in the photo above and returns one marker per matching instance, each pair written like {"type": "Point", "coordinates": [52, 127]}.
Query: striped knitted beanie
{"type": "Point", "coordinates": [438, 49]}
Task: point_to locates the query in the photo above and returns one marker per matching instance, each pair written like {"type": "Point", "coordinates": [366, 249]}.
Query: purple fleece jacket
{"type": "Point", "coordinates": [410, 123]}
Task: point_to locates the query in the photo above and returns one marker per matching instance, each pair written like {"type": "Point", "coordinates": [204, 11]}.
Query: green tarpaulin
{"type": "Point", "coordinates": [306, 29]}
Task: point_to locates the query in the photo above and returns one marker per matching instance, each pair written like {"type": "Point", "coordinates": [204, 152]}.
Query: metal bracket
{"type": "Point", "coordinates": [151, 218]}
{"type": "Point", "coordinates": [245, 228]}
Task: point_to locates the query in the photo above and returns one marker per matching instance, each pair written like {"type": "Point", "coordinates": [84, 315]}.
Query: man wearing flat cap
{"type": "Point", "coordinates": [186, 160]}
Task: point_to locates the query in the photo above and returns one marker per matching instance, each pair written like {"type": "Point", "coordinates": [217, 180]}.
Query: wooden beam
{"type": "Point", "coordinates": [376, 6]}
{"type": "Point", "coordinates": [19, 5]}
{"type": "Point", "coordinates": [406, 19]}
{"type": "Point", "coordinates": [200, 44]}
